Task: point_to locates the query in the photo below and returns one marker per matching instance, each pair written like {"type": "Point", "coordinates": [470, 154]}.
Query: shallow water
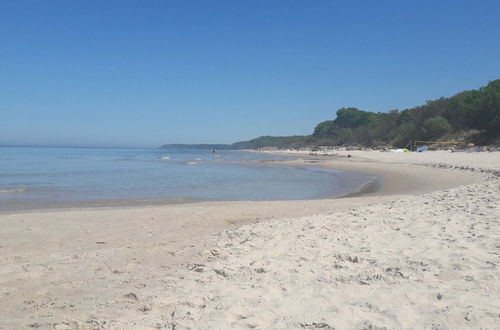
{"type": "Point", "coordinates": [36, 177]}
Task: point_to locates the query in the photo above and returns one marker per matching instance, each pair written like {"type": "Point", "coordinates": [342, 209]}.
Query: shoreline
{"type": "Point", "coordinates": [386, 181]}
{"type": "Point", "coordinates": [84, 267]}
{"type": "Point", "coordinates": [49, 206]}
{"type": "Point", "coordinates": [396, 179]}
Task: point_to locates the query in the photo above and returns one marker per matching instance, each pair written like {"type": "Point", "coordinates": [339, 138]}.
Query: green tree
{"type": "Point", "coordinates": [436, 127]}
{"type": "Point", "coordinates": [404, 134]}
{"type": "Point", "coordinates": [353, 117]}
{"type": "Point", "coordinates": [325, 128]}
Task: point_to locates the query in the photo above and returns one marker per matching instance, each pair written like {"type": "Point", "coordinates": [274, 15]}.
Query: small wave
{"type": "Point", "coordinates": [14, 190]}
{"type": "Point", "coordinates": [192, 163]}
{"type": "Point", "coordinates": [164, 157]}
{"type": "Point", "coordinates": [370, 186]}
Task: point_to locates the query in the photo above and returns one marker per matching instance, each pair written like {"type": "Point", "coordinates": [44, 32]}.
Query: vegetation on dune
{"type": "Point", "coordinates": [293, 142]}
{"type": "Point", "coordinates": [469, 116]}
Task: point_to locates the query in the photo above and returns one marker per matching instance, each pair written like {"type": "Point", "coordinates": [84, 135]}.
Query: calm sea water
{"type": "Point", "coordinates": [37, 178]}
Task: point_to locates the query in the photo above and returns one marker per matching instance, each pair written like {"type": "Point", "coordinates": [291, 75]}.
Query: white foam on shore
{"type": "Point", "coordinates": [370, 186]}
{"type": "Point", "coordinates": [14, 190]}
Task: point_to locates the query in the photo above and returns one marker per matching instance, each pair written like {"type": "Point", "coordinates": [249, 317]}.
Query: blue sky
{"type": "Point", "coordinates": [144, 73]}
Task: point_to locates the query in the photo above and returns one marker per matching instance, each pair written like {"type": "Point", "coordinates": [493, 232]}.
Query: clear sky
{"type": "Point", "coordinates": [145, 73]}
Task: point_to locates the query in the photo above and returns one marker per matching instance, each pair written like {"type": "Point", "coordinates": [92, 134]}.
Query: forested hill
{"type": "Point", "coordinates": [469, 116]}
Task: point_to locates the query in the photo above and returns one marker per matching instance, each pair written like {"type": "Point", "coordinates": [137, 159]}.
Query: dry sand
{"type": "Point", "coordinates": [422, 253]}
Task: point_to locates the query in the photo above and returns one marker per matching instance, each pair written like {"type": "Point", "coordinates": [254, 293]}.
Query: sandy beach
{"type": "Point", "coordinates": [422, 252]}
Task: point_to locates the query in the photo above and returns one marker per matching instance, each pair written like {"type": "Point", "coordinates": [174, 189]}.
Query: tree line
{"type": "Point", "coordinates": [469, 116]}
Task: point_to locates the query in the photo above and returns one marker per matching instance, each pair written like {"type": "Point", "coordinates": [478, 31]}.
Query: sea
{"type": "Point", "coordinates": [33, 178]}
